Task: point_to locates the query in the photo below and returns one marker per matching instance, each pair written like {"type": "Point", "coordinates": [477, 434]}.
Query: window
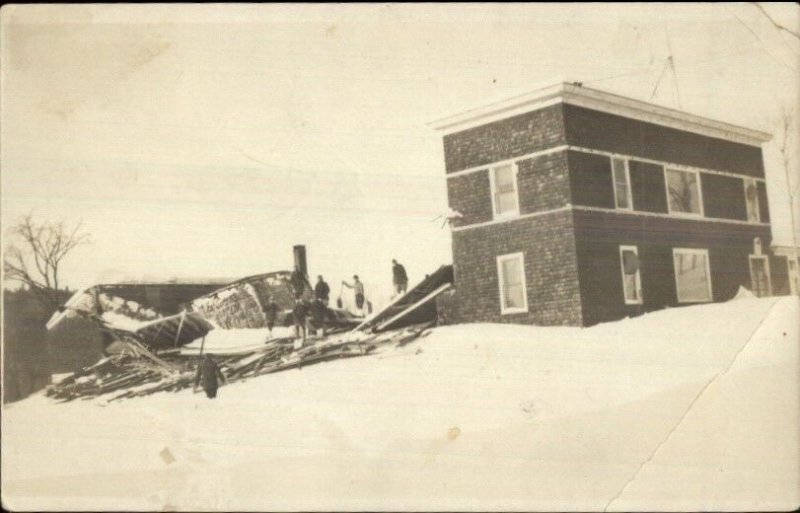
{"type": "Point", "coordinates": [692, 275]}
{"type": "Point", "coordinates": [631, 279]}
{"type": "Point", "coordinates": [622, 180]}
{"type": "Point", "coordinates": [683, 192]}
{"type": "Point", "coordinates": [751, 199]}
{"type": "Point", "coordinates": [511, 275]}
{"type": "Point", "coordinates": [759, 276]}
{"type": "Point", "coordinates": [504, 190]}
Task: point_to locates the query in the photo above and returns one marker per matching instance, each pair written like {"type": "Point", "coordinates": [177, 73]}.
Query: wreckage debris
{"type": "Point", "coordinates": [134, 371]}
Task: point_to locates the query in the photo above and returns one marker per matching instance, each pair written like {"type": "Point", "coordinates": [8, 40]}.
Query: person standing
{"type": "Point", "coordinates": [298, 282]}
{"type": "Point", "coordinates": [358, 288]}
{"type": "Point", "coordinates": [319, 313]}
{"type": "Point", "coordinates": [399, 278]}
{"type": "Point", "coordinates": [322, 291]}
{"type": "Point", "coordinates": [299, 313]}
{"type": "Point", "coordinates": [270, 313]}
{"type": "Point", "coordinates": [210, 375]}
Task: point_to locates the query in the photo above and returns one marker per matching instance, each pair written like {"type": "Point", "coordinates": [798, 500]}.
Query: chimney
{"type": "Point", "coordinates": [300, 259]}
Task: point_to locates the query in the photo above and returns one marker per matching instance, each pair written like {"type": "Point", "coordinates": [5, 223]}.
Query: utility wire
{"type": "Point", "coordinates": [671, 63]}
{"type": "Point", "coordinates": [760, 41]}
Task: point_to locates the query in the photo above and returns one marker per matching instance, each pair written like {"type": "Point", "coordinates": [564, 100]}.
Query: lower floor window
{"type": "Point", "coordinates": [759, 276]}
{"type": "Point", "coordinates": [631, 278]}
{"type": "Point", "coordinates": [511, 275]}
{"type": "Point", "coordinates": [692, 275]}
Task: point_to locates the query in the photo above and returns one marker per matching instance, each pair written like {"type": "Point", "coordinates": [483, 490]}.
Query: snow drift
{"type": "Point", "coordinates": [687, 408]}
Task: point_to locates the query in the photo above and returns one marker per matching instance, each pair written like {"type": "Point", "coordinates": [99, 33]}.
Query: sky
{"type": "Point", "coordinates": [206, 141]}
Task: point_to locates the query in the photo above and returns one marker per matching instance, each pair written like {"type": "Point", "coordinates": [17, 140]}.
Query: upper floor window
{"type": "Point", "coordinates": [504, 190]}
{"type": "Point", "coordinates": [683, 192]}
{"type": "Point", "coordinates": [622, 183]}
{"type": "Point", "coordinates": [511, 275]}
{"type": "Point", "coordinates": [751, 199]}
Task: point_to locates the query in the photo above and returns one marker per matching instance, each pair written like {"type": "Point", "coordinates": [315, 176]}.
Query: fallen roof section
{"type": "Point", "coordinates": [415, 306]}
{"type": "Point", "coordinates": [241, 304]}
{"type": "Point", "coordinates": [174, 331]}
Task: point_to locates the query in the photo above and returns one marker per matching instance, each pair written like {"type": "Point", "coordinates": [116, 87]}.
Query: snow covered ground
{"type": "Point", "coordinates": [691, 408]}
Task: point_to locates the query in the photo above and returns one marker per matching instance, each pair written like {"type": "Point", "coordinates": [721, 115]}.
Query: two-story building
{"type": "Point", "coordinates": [579, 206]}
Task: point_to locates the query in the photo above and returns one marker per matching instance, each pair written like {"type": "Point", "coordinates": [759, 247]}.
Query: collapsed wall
{"type": "Point", "coordinates": [241, 303]}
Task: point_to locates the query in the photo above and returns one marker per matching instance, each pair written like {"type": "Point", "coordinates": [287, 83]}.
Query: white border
{"type": "Point", "coordinates": [581, 149]}
{"type": "Point", "coordinates": [637, 280]}
{"type": "Point", "coordinates": [504, 220]}
{"type": "Point", "coordinates": [750, 259]}
{"type": "Point", "coordinates": [628, 195]}
{"type": "Point", "coordinates": [573, 94]}
{"type": "Point", "coordinates": [611, 211]}
{"type": "Point", "coordinates": [692, 251]}
{"type": "Point", "coordinates": [493, 188]}
{"type": "Point", "coordinates": [503, 309]}
{"type": "Point", "coordinates": [678, 213]}
{"type": "Point", "coordinates": [484, 167]}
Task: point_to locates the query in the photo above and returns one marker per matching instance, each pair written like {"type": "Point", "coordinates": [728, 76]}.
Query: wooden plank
{"type": "Point", "coordinates": [180, 327]}
{"type": "Point", "coordinates": [416, 305]}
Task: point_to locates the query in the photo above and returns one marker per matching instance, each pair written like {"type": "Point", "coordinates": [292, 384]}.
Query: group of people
{"type": "Point", "coordinates": [305, 315]}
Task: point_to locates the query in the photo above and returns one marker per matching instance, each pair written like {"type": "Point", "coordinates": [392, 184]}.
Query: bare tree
{"type": "Point", "coordinates": [35, 254]}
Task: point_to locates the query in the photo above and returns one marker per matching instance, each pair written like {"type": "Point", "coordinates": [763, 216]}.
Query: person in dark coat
{"type": "Point", "coordinates": [322, 291]}
{"type": "Point", "coordinates": [270, 313]}
{"type": "Point", "coordinates": [399, 278]}
{"type": "Point", "coordinates": [320, 314]}
{"type": "Point", "coordinates": [300, 313]}
{"type": "Point", "coordinates": [209, 374]}
{"type": "Point", "coordinates": [298, 282]}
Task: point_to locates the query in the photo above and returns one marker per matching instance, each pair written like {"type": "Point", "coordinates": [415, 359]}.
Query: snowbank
{"type": "Point", "coordinates": [688, 408]}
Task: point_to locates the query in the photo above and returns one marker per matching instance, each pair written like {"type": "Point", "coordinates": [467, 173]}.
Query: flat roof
{"type": "Point", "coordinates": [574, 93]}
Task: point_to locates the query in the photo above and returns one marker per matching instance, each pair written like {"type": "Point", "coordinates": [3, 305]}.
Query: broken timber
{"type": "Point", "coordinates": [413, 307]}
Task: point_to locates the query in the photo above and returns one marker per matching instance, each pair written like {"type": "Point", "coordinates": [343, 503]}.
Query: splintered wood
{"type": "Point", "coordinates": [137, 372]}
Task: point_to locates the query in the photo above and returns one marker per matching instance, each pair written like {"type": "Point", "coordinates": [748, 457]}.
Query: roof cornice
{"type": "Point", "coordinates": [574, 94]}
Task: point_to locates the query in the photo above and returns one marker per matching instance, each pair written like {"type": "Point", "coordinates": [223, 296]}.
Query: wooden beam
{"type": "Point", "coordinates": [416, 305]}
{"type": "Point", "coordinates": [180, 326]}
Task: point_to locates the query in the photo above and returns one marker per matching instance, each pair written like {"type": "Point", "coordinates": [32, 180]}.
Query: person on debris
{"type": "Point", "coordinates": [322, 291]}
{"type": "Point", "coordinates": [298, 282]}
{"type": "Point", "coordinates": [208, 372]}
{"type": "Point", "coordinates": [300, 313]}
{"type": "Point", "coordinates": [320, 313]}
{"type": "Point", "coordinates": [358, 288]}
{"type": "Point", "coordinates": [399, 278]}
{"type": "Point", "coordinates": [270, 313]}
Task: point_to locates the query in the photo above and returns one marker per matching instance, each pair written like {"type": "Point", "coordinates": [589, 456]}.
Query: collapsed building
{"type": "Point", "coordinates": [113, 337]}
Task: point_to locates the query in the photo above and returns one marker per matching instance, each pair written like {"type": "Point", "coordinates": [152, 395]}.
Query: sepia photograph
{"type": "Point", "coordinates": [400, 257]}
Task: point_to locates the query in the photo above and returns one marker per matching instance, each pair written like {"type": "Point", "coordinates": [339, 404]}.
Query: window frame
{"type": "Point", "coordinates": [500, 279]}
{"type": "Point", "coordinates": [692, 251]}
{"type": "Point", "coordinates": [638, 276]}
{"type": "Point", "coordinates": [700, 202]}
{"type": "Point", "coordinates": [493, 189]}
{"type": "Point", "coordinates": [767, 270]}
{"type": "Point", "coordinates": [629, 195]}
{"type": "Point", "coordinates": [754, 183]}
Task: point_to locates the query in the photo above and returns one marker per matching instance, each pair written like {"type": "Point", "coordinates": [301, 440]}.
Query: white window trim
{"type": "Point", "coordinates": [638, 279]}
{"type": "Point", "coordinates": [629, 194]}
{"type": "Point", "coordinates": [749, 181]}
{"type": "Point", "coordinates": [766, 268]}
{"type": "Point", "coordinates": [500, 260]}
{"type": "Point", "coordinates": [692, 251]}
{"type": "Point", "coordinates": [514, 173]}
{"type": "Point", "coordinates": [675, 213]}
